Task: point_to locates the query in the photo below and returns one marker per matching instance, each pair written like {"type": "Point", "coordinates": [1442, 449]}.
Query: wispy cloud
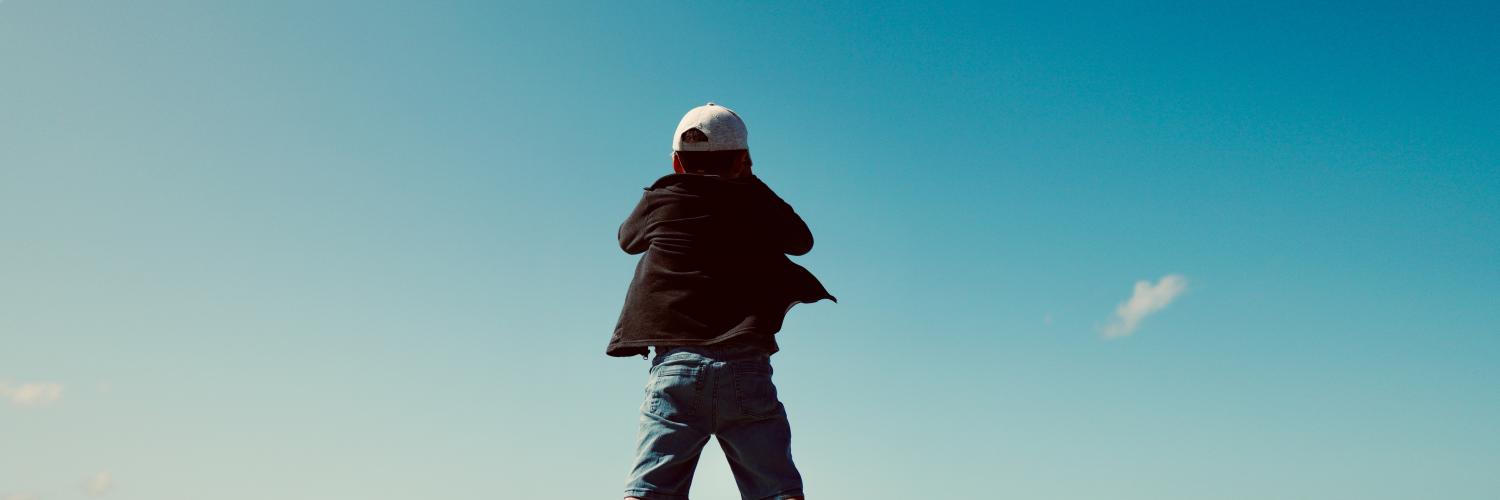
{"type": "Point", "coordinates": [99, 484]}
{"type": "Point", "coordinates": [31, 393]}
{"type": "Point", "coordinates": [1145, 300]}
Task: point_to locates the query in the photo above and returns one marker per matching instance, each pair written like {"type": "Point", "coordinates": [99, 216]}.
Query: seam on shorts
{"type": "Point", "coordinates": [790, 492]}
{"type": "Point", "coordinates": [654, 495]}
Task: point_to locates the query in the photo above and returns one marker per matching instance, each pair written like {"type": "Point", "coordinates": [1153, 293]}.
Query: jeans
{"type": "Point", "coordinates": [693, 392]}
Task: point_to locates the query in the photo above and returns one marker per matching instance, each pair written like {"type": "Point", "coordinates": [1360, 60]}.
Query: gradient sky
{"type": "Point", "coordinates": [327, 250]}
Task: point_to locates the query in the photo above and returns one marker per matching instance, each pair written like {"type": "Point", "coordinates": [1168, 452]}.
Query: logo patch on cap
{"type": "Point", "coordinates": [693, 135]}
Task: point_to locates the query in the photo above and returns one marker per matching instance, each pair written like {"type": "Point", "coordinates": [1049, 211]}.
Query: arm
{"type": "Point", "coordinates": [795, 237]}
{"type": "Point", "coordinates": [786, 227]}
{"type": "Point", "coordinates": [632, 232]}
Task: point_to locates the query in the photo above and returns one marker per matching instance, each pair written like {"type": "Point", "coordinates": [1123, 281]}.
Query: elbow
{"type": "Point", "coordinates": [799, 247]}
{"type": "Point", "coordinates": [629, 242]}
{"type": "Point", "coordinates": [633, 246]}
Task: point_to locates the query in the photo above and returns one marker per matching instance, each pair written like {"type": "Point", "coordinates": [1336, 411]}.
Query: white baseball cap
{"type": "Point", "coordinates": [710, 127]}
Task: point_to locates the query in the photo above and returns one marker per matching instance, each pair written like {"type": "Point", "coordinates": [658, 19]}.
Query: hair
{"type": "Point", "coordinates": [709, 162]}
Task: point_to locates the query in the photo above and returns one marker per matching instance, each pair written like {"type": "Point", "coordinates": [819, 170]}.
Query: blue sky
{"type": "Point", "coordinates": [366, 250]}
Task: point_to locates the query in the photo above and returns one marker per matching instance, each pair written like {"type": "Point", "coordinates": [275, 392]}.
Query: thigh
{"type": "Point", "coordinates": [756, 438]}
{"type": "Point", "coordinates": [672, 434]}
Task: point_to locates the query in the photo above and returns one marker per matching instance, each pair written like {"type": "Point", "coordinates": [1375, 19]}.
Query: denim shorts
{"type": "Point", "coordinates": [693, 392]}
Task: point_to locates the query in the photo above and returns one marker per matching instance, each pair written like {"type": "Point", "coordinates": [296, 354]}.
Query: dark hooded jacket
{"type": "Point", "coordinates": [715, 267]}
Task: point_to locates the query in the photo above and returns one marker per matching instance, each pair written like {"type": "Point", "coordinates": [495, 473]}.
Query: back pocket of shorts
{"type": "Point", "coordinates": [755, 392]}
{"type": "Point", "coordinates": [673, 392]}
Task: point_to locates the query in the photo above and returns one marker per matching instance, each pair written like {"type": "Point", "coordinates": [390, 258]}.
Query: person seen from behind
{"type": "Point", "coordinates": [709, 294]}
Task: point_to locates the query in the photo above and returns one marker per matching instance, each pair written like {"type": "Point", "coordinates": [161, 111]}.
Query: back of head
{"type": "Point", "coordinates": [710, 139]}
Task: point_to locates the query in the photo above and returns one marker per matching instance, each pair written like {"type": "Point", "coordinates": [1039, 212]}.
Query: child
{"type": "Point", "coordinates": [710, 293]}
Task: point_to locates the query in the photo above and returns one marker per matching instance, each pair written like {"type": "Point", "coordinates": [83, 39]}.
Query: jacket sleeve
{"type": "Point", "coordinates": [786, 227]}
{"type": "Point", "coordinates": [632, 232]}
{"type": "Point", "coordinates": [796, 238]}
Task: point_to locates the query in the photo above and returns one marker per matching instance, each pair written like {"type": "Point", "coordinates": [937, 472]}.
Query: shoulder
{"type": "Point", "coordinates": [675, 180]}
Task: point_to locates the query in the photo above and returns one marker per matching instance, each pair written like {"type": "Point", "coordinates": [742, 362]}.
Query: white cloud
{"type": "Point", "coordinates": [32, 393]}
{"type": "Point", "coordinates": [1145, 300]}
{"type": "Point", "coordinates": [99, 484]}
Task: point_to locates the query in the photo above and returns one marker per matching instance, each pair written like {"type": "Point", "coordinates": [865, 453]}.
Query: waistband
{"type": "Point", "coordinates": [713, 351]}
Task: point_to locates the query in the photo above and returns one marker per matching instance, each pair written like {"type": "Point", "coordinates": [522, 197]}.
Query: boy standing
{"type": "Point", "coordinates": [710, 293]}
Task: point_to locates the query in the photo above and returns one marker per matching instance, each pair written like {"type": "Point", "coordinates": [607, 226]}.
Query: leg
{"type": "Point", "coordinates": [666, 457]}
{"type": "Point", "coordinates": [760, 456]}
{"type": "Point", "coordinates": [756, 437]}
{"type": "Point", "coordinates": [671, 435]}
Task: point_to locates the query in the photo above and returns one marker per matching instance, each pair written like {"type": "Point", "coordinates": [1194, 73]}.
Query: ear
{"type": "Point", "coordinates": [743, 167]}
{"type": "Point", "coordinates": [677, 164]}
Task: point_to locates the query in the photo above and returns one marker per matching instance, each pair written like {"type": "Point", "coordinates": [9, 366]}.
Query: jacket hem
{"type": "Point", "coordinates": [667, 341]}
